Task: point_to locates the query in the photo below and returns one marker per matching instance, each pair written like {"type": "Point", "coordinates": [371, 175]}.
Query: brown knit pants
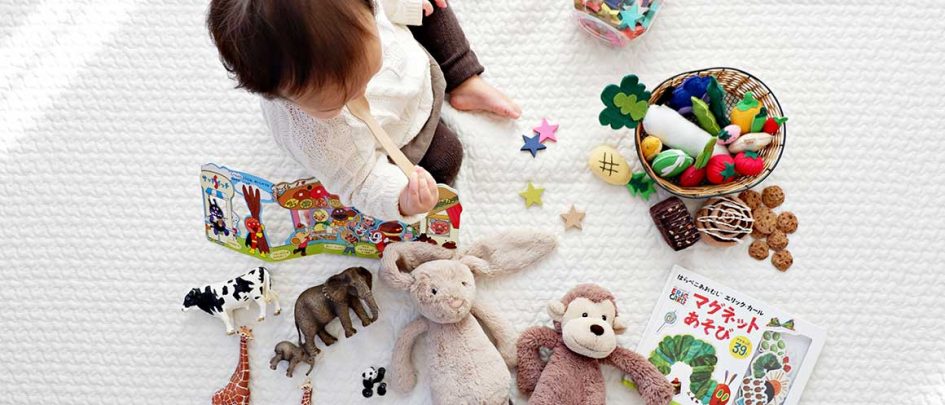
{"type": "Point", "coordinates": [443, 38]}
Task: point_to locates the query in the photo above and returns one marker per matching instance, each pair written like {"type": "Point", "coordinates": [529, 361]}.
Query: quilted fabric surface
{"type": "Point", "coordinates": [110, 106]}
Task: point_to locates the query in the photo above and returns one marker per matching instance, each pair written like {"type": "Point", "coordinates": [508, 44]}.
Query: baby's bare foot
{"type": "Point", "coordinates": [476, 95]}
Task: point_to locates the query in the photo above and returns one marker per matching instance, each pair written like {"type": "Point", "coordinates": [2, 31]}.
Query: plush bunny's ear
{"type": "Point", "coordinates": [508, 252]}
{"type": "Point", "coordinates": [401, 258]}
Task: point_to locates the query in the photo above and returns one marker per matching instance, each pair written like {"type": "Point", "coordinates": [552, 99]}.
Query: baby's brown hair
{"type": "Point", "coordinates": [284, 47]}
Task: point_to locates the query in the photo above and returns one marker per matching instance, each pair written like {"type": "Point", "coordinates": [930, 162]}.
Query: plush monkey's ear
{"type": "Point", "coordinates": [619, 327]}
{"type": "Point", "coordinates": [556, 310]}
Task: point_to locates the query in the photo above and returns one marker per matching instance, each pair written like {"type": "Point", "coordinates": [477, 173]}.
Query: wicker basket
{"type": "Point", "coordinates": [736, 83]}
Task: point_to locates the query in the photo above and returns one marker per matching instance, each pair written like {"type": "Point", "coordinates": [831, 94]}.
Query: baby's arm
{"type": "Point", "coordinates": [405, 12]}
{"type": "Point", "coordinates": [346, 163]}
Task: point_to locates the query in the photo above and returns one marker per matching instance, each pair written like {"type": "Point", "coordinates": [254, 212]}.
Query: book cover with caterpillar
{"type": "Point", "coordinates": [717, 346]}
{"type": "Point", "coordinates": [288, 220]}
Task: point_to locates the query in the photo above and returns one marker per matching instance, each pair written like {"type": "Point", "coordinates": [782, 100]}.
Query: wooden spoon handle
{"type": "Point", "coordinates": [360, 108]}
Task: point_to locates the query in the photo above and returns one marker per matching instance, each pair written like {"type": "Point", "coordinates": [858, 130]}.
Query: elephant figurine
{"type": "Point", "coordinates": [319, 305]}
{"type": "Point", "coordinates": [288, 351]}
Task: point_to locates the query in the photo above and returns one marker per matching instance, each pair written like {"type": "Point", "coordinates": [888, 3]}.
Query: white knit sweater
{"type": "Point", "coordinates": [341, 152]}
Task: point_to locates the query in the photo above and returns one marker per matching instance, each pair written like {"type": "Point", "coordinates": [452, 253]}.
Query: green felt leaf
{"type": "Point", "coordinates": [748, 102]}
{"type": "Point", "coordinates": [717, 101]}
{"type": "Point", "coordinates": [630, 106]}
{"type": "Point", "coordinates": [705, 118]}
{"type": "Point", "coordinates": [729, 171]}
{"type": "Point", "coordinates": [625, 105]}
{"type": "Point", "coordinates": [641, 185]}
{"type": "Point", "coordinates": [703, 159]}
{"type": "Point", "coordinates": [724, 135]}
{"type": "Point", "coordinates": [751, 154]}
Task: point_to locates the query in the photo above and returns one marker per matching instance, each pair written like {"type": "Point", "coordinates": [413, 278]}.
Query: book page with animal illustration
{"type": "Point", "coordinates": [287, 220]}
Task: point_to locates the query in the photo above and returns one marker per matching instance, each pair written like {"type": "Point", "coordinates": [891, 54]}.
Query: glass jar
{"type": "Point", "coordinates": [616, 22]}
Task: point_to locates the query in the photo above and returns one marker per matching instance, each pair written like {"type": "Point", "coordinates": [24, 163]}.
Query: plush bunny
{"type": "Point", "coordinates": [466, 368]}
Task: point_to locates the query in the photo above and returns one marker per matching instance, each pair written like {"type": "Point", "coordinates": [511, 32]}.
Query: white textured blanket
{"type": "Point", "coordinates": [109, 107]}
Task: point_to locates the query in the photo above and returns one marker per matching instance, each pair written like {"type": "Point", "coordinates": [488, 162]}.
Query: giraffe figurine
{"type": "Point", "coordinates": [236, 392]}
{"type": "Point", "coordinates": [306, 392]}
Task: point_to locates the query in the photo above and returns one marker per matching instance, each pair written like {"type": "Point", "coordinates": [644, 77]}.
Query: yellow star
{"type": "Point", "coordinates": [532, 195]}
{"type": "Point", "coordinates": [573, 219]}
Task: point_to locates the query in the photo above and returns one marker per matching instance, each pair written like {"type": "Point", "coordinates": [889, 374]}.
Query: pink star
{"type": "Point", "coordinates": [546, 131]}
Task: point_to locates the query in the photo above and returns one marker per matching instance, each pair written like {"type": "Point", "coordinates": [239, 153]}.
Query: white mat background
{"type": "Point", "coordinates": [109, 107]}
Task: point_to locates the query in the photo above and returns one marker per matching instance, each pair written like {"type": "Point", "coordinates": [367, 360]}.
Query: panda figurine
{"type": "Point", "coordinates": [372, 376]}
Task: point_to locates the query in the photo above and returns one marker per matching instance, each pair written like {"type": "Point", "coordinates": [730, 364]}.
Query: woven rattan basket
{"type": "Point", "coordinates": [736, 83]}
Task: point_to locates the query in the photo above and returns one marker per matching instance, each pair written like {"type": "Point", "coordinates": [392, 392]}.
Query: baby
{"type": "Point", "coordinates": [309, 58]}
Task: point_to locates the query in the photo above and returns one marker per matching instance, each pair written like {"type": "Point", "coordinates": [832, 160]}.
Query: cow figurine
{"type": "Point", "coordinates": [221, 299]}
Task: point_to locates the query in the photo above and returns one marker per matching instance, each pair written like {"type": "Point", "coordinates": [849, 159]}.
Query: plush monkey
{"type": "Point", "coordinates": [586, 324]}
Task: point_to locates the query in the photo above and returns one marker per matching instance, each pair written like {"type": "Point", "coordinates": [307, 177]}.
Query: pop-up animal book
{"type": "Point", "coordinates": [718, 346]}
{"type": "Point", "coordinates": [281, 221]}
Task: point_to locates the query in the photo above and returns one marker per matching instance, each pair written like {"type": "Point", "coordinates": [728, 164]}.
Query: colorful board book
{"type": "Point", "coordinates": [282, 221]}
{"type": "Point", "coordinates": [719, 347]}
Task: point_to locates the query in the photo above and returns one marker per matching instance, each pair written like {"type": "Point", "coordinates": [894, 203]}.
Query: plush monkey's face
{"type": "Point", "coordinates": [588, 328]}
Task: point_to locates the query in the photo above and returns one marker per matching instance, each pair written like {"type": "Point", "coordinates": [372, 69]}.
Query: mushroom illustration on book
{"type": "Point", "coordinates": [287, 220]}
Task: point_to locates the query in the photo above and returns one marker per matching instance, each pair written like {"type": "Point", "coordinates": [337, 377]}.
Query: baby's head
{"type": "Point", "coordinates": [317, 53]}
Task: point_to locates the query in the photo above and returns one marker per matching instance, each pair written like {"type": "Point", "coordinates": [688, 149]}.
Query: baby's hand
{"type": "Point", "coordinates": [428, 7]}
{"type": "Point", "coordinates": [420, 195]}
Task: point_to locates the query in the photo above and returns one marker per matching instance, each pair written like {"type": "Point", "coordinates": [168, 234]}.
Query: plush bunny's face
{"type": "Point", "coordinates": [444, 290]}
{"type": "Point", "coordinates": [440, 280]}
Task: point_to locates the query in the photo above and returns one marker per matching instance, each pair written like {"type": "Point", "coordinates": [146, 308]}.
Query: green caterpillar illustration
{"type": "Point", "coordinates": [696, 353]}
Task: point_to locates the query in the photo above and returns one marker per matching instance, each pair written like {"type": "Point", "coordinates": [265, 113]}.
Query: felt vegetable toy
{"type": "Point", "coordinates": [651, 146]}
{"type": "Point", "coordinates": [753, 142]}
{"type": "Point", "coordinates": [694, 86]}
{"type": "Point", "coordinates": [759, 121]}
{"type": "Point", "coordinates": [717, 101]}
{"type": "Point", "coordinates": [465, 367]}
{"type": "Point", "coordinates": [609, 165]}
{"type": "Point", "coordinates": [745, 111]}
{"type": "Point", "coordinates": [729, 134]}
{"type": "Point", "coordinates": [705, 118]}
{"type": "Point", "coordinates": [773, 124]}
{"type": "Point", "coordinates": [749, 163]}
{"type": "Point", "coordinates": [691, 177]}
{"type": "Point", "coordinates": [706, 154]}
{"type": "Point", "coordinates": [586, 323]}
{"type": "Point", "coordinates": [669, 163]}
{"type": "Point", "coordinates": [721, 169]}
{"type": "Point", "coordinates": [641, 185]}
{"type": "Point", "coordinates": [677, 132]}
{"type": "Point", "coordinates": [625, 105]}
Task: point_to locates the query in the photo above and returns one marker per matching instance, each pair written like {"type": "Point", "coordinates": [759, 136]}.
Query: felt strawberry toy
{"type": "Point", "coordinates": [721, 169]}
{"type": "Point", "coordinates": [691, 177]}
{"type": "Point", "coordinates": [748, 163]}
{"type": "Point", "coordinates": [773, 124]}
